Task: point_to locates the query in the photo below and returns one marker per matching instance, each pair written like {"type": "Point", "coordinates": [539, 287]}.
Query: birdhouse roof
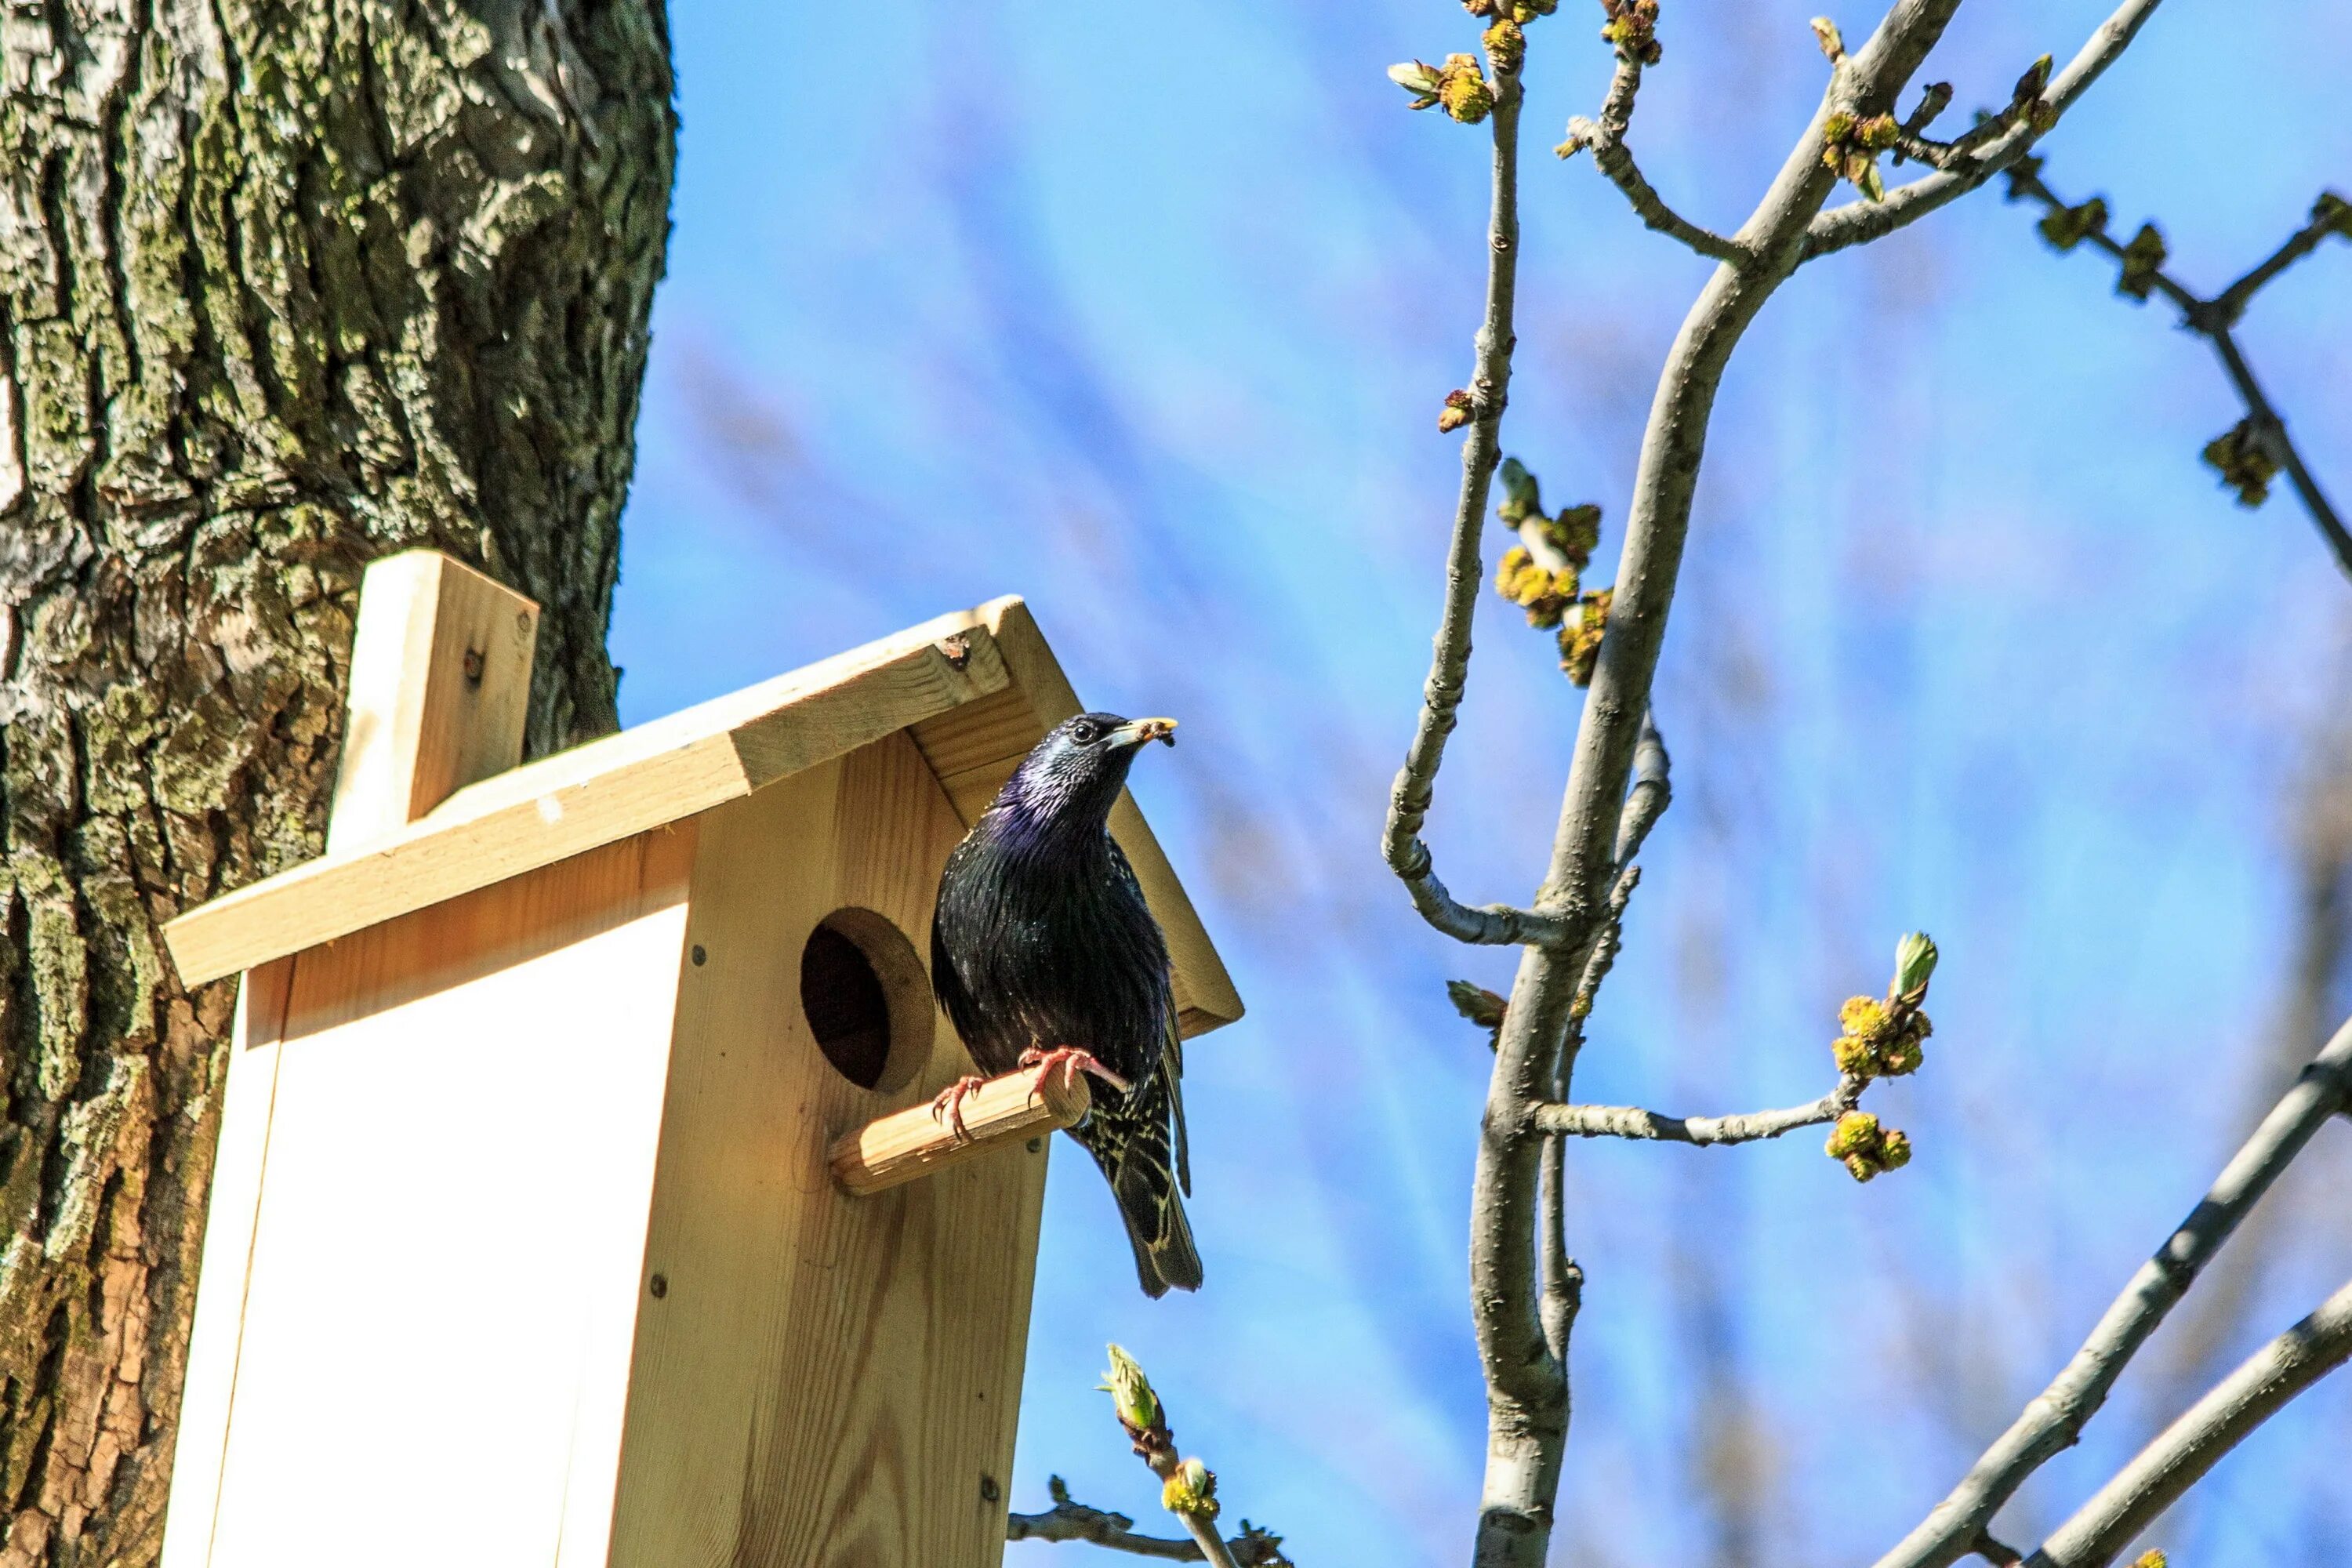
{"type": "Point", "coordinates": [976, 689]}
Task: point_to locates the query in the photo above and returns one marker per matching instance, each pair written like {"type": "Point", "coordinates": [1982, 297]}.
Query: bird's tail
{"type": "Point", "coordinates": [1157, 1229]}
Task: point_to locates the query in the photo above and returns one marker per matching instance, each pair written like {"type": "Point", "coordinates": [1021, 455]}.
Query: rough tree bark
{"type": "Point", "coordinates": [282, 289]}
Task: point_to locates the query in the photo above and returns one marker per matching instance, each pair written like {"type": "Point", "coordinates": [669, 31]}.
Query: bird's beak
{"type": "Point", "coordinates": [1135, 732]}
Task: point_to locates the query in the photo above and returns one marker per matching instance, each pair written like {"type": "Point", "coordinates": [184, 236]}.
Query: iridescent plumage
{"type": "Point", "coordinates": [1041, 940]}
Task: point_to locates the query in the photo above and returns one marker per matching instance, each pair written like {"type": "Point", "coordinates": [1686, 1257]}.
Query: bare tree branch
{"type": "Point", "coordinates": [1449, 669]}
{"type": "Point", "coordinates": [2178, 1458]}
{"type": "Point", "coordinates": [1858, 222]}
{"type": "Point", "coordinates": [1629, 1121]}
{"type": "Point", "coordinates": [1068, 1520]}
{"type": "Point", "coordinates": [1526, 1382]}
{"type": "Point", "coordinates": [2212, 319]}
{"type": "Point", "coordinates": [1605, 138]}
{"type": "Point", "coordinates": [2055, 1417]}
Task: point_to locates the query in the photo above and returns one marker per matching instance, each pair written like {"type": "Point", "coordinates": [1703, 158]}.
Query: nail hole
{"type": "Point", "coordinates": [659, 1285]}
{"type": "Point", "coordinates": [700, 957]}
{"type": "Point", "coordinates": [988, 1489]}
{"type": "Point", "coordinates": [473, 667]}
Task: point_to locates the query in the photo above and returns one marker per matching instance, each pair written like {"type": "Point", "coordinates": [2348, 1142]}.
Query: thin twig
{"type": "Point", "coordinates": [1605, 139]}
{"type": "Point", "coordinates": [2055, 1417]}
{"type": "Point", "coordinates": [2212, 320]}
{"type": "Point", "coordinates": [1069, 1521]}
{"type": "Point", "coordinates": [2273, 430]}
{"type": "Point", "coordinates": [1631, 1122]}
{"type": "Point", "coordinates": [2180, 1456]}
{"type": "Point", "coordinates": [2230, 302]}
{"type": "Point", "coordinates": [1859, 221]}
{"type": "Point", "coordinates": [1449, 668]}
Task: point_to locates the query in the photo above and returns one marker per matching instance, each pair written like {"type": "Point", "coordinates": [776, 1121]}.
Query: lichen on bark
{"type": "Point", "coordinates": [282, 289]}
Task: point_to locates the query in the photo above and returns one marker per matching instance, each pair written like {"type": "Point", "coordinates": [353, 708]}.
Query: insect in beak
{"type": "Point", "coordinates": [1136, 731]}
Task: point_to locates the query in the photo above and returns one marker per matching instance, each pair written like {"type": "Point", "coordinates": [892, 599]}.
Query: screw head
{"type": "Point", "coordinates": [988, 1489]}
{"type": "Point", "coordinates": [699, 956]}
{"type": "Point", "coordinates": [1036, 1145]}
{"type": "Point", "coordinates": [659, 1285]}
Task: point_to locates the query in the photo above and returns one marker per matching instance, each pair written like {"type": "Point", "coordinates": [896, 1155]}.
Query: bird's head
{"type": "Point", "coordinates": [1074, 775]}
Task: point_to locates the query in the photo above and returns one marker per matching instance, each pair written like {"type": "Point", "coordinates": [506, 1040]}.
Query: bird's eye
{"type": "Point", "coordinates": [1085, 735]}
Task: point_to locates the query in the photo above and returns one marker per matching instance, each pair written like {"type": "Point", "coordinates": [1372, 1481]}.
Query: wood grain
{"type": "Point", "coordinates": [440, 688]}
{"type": "Point", "coordinates": [821, 1381]}
{"type": "Point", "coordinates": [907, 1145]}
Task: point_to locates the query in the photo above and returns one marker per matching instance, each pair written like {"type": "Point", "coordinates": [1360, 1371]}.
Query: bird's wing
{"type": "Point", "coordinates": [1172, 1066]}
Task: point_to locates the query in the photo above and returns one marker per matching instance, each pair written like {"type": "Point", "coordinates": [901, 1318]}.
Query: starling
{"type": "Point", "coordinates": [1045, 955]}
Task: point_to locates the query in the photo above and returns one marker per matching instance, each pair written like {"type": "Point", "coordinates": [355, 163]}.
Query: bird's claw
{"type": "Point", "coordinates": [1070, 1061]}
{"type": "Point", "coordinates": [947, 1110]}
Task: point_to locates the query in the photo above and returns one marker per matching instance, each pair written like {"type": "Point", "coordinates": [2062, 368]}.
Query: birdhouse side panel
{"type": "Point", "coordinates": [823, 1381]}
{"type": "Point", "coordinates": [442, 1275]}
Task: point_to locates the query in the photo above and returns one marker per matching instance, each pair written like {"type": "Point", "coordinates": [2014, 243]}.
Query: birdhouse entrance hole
{"type": "Point", "coordinates": [866, 998]}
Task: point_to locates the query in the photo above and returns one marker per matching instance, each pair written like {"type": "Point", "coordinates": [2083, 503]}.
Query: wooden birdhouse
{"type": "Point", "coordinates": [532, 1234]}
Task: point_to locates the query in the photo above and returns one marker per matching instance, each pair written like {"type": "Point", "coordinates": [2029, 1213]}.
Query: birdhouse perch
{"type": "Point", "coordinates": [536, 1227]}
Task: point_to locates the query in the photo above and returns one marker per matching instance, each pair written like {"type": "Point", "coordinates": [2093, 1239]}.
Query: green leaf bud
{"type": "Point", "coordinates": [1130, 1393]}
{"type": "Point", "coordinates": [1915, 963]}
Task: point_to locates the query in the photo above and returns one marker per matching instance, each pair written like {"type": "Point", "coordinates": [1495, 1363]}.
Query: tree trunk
{"type": "Point", "coordinates": [283, 288]}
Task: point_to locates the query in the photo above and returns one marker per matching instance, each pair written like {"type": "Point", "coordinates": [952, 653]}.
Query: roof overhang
{"type": "Point", "coordinates": [976, 689]}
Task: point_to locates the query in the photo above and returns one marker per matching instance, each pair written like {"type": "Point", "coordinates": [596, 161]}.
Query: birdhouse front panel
{"type": "Point", "coordinates": [444, 1228]}
{"type": "Point", "coordinates": [821, 1381]}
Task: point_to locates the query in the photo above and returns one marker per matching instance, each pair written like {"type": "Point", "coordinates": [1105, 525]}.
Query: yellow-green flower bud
{"type": "Point", "coordinates": [1131, 1392]}
{"type": "Point", "coordinates": [1856, 1130]}
{"type": "Point", "coordinates": [1505, 45]}
{"type": "Point", "coordinates": [1826, 34]}
{"type": "Point", "coordinates": [1579, 645]}
{"type": "Point", "coordinates": [1526, 11]}
{"type": "Point", "coordinates": [1894, 1150]}
{"type": "Point", "coordinates": [2150, 1559]}
{"type": "Point", "coordinates": [1633, 28]}
{"type": "Point", "coordinates": [1854, 1056]}
{"type": "Point", "coordinates": [1192, 1490]}
{"type": "Point", "coordinates": [1462, 90]}
{"type": "Point", "coordinates": [1862, 1016]}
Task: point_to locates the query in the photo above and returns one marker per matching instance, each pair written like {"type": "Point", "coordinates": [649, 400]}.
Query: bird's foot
{"type": "Point", "coordinates": [948, 1109]}
{"type": "Point", "coordinates": [1070, 1061]}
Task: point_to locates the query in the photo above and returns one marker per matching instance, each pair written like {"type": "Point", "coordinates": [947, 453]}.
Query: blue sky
{"type": "Point", "coordinates": [1145, 312]}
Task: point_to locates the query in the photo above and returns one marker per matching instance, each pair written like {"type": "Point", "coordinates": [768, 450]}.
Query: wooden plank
{"type": "Point", "coordinates": [445, 1266]}
{"type": "Point", "coordinates": [823, 1381]}
{"type": "Point", "coordinates": [974, 749]}
{"type": "Point", "coordinates": [921, 1141]}
{"type": "Point", "coordinates": [440, 686]}
{"type": "Point", "coordinates": [249, 1086]}
{"type": "Point", "coordinates": [596, 794]}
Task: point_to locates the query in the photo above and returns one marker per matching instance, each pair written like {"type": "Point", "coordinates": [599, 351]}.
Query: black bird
{"type": "Point", "coordinates": [1045, 955]}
